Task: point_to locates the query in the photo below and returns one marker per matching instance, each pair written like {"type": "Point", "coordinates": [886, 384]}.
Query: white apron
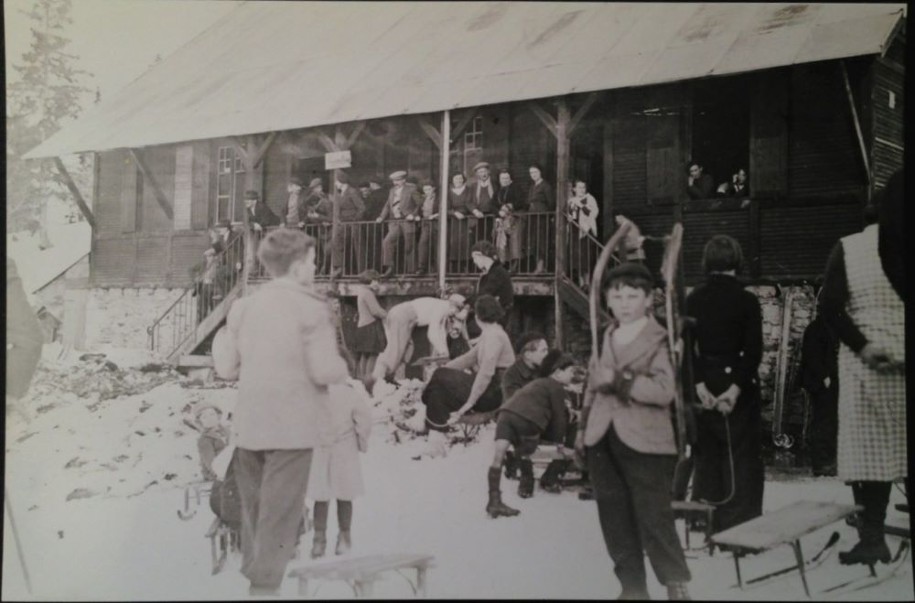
{"type": "Point", "coordinates": [872, 406]}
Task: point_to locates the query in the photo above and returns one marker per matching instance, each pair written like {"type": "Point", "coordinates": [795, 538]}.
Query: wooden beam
{"type": "Point", "coordinates": [357, 130]}
{"type": "Point", "coordinates": [582, 111]}
{"type": "Point", "coordinates": [74, 190]}
{"type": "Point", "coordinates": [548, 120]}
{"type": "Point", "coordinates": [262, 151]}
{"type": "Point", "coordinates": [431, 131]}
{"type": "Point", "coordinates": [561, 131]}
{"type": "Point", "coordinates": [327, 142]}
{"type": "Point", "coordinates": [857, 122]}
{"type": "Point", "coordinates": [161, 199]}
{"type": "Point", "coordinates": [240, 149]}
{"type": "Point", "coordinates": [462, 123]}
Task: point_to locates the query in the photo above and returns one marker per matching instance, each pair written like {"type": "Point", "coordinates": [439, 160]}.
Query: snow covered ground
{"type": "Point", "coordinates": [96, 477]}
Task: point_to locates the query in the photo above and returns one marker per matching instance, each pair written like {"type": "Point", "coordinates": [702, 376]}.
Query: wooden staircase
{"type": "Point", "coordinates": [184, 328]}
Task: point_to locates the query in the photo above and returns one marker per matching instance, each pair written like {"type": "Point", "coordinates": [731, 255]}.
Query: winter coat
{"type": "Point", "coordinates": [540, 197]}
{"type": "Point", "coordinates": [348, 205]}
{"type": "Point", "coordinates": [262, 215]}
{"type": "Point", "coordinates": [639, 409]}
{"type": "Point", "coordinates": [211, 442]}
{"type": "Point", "coordinates": [410, 202]}
{"type": "Point", "coordinates": [336, 471]}
{"type": "Point", "coordinates": [515, 377]}
{"type": "Point", "coordinates": [542, 402]}
{"type": "Point", "coordinates": [281, 345]}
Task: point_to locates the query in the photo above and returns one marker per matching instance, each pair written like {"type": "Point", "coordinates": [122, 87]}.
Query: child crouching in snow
{"type": "Point", "coordinates": [626, 433]}
{"type": "Point", "coordinates": [536, 410]}
{"type": "Point", "coordinates": [335, 469]}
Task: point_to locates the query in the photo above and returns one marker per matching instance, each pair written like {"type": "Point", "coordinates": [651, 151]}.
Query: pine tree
{"type": "Point", "coordinates": [46, 91]}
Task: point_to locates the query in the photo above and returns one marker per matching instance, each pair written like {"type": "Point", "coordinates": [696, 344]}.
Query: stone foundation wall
{"type": "Point", "coordinates": [119, 317]}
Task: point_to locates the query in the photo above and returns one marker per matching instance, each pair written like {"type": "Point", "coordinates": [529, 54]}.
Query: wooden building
{"type": "Point", "coordinates": [808, 98]}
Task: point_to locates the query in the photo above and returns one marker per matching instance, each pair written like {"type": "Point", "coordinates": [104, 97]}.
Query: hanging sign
{"type": "Point", "coordinates": [337, 160]}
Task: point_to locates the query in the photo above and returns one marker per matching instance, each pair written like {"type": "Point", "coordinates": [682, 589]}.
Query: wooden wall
{"type": "Point", "coordinates": [888, 112]}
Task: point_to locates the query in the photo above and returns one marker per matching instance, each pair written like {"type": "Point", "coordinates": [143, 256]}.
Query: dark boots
{"type": "Point", "coordinates": [511, 465]}
{"type": "Point", "coordinates": [496, 508]}
{"type": "Point", "coordinates": [871, 548]}
{"type": "Point", "coordinates": [550, 480]}
{"type": "Point", "coordinates": [319, 544]}
{"type": "Point", "coordinates": [526, 482]}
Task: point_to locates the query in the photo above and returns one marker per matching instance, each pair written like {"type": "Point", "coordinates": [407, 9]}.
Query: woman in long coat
{"type": "Point", "coordinates": [459, 198]}
{"type": "Point", "coordinates": [540, 233]}
{"type": "Point", "coordinates": [861, 306]}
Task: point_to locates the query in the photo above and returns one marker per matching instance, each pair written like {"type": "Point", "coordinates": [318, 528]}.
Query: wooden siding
{"type": "Point", "coordinates": [107, 206]}
{"type": "Point", "coordinates": [824, 156]}
{"type": "Point", "coordinates": [201, 193]}
{"type": "Point", "coordinates": [629, 172]}
{"type": "Point", "coordinates": [888, 113]}
{"type": "Point", "coordinates": [160, 161]}
{"type": "Point", "coordinates": [795, 241]}
{"type": "Point", "coordinates": [769, 134]}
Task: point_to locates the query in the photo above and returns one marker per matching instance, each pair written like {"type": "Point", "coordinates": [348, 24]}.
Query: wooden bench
{"type": "Point", "coordinates": [362, 572]}
{"type": "Point", "coordinates": [784, 526]}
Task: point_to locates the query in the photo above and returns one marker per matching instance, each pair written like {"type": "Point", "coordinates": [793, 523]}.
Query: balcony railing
{"type": "Point", "coordinates": [526, 244]}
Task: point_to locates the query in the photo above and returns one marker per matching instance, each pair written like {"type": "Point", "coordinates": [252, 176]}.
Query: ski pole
{"type": "Point", "coordinates": [25, 570]}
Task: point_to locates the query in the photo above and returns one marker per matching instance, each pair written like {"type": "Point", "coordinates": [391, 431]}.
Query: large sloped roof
{"type": "Point", "coordinates": [281, 65]}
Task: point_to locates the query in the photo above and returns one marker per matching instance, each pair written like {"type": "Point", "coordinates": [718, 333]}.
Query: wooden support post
{"type": "Point", "coordinates": [582, 111]}
{"type": "Point", "coordinates": [357, 130]}
{"type": "Point", "coordinates": [854, 115]}
{"type": "Point", "coordinates": [445, 153]}
{"type": "Point", "coordinates": [148, 178]}
{"type": "Point", "coordinates": [74, 190]}
{"type": "Point", "coordinates": [562, 178]}
{"type": "Point", "coordinates": [547, 119]}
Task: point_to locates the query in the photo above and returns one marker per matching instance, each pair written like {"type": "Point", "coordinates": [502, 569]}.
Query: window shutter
{"type": "Point", "coordinates": [769, 135]}
{"type": "Point", "coordinates": [663, 160]}
{"type": "Point", "coordinates": [200, 196]}
{"type": "Point", "coordinates": [184, 181]}
{"type": "Point", "coordinates": [131, 185]}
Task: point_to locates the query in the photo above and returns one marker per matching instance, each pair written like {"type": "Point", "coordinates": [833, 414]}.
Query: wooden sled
{"type": "Point", "coordinates": [361, 573]}
{"type": "Point", "coordinates": [470, 424]}
{"type": "Point", "coordinates": [784, 526]}
{"type": "Point", "coordinates": [223, 539]}
{"type": "Point", "coordinates": [196, 491]}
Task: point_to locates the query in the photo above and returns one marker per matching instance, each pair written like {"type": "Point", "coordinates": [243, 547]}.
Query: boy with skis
{"type": "Point", "coordinates": [280, 344]}
{"type": "Point", "coordinates": [626, 435]}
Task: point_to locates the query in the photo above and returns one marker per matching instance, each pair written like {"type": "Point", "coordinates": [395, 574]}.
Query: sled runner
{"type": "Point", "coordinates": [872, 579]}
{"type": "Point", "coordinates": [361, 573]}
{"type": "Point", "coordinates": [784, 526]}
{"type": "Point", "coordinates": [196, 491]}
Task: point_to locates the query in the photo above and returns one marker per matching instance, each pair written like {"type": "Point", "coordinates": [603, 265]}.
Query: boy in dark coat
{"type": "Point", "coordinates": [536, 410]}
{"type": "Point", "coordinates": [627, 436]}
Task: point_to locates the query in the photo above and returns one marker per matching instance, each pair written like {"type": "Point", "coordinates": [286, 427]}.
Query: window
{"type": "Point", "coordinates": [230, 183]}
{"type": "Point", "coordinates": [473, 143]}
{"type": "Point", "coordinates": [721, 128]}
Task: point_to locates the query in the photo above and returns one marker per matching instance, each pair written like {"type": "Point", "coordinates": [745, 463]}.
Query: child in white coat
{"type": "Point", "coordinates": [336, 472]}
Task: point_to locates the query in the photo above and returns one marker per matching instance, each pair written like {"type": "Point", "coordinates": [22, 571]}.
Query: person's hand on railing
{"type": "Point", "coordinates": [257, 227]}
{"type": "Point", "coordinates": [379, 220]}
{"type": "Point", "coordinates": [459, 215]}
{"type": "Point", "coordinates": [477, 213]}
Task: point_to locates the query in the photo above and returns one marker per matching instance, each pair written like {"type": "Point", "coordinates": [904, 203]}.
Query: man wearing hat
{"type": "Point", "coordinates": [402, 208]}
{"type": "Point", "coordinates": [483, 202]}
{"type": "Point", "coordinates": [347, 207]}
{"type": "Point", "coordinates": [317, 210]}
{"type": "Point", "coordinates": [259, 215]}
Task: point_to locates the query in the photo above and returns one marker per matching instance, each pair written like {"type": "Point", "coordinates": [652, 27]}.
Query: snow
{"type": "Point", "coordinates": [37, 267]}
{"type": "Point", "coordinates": [95, 506]}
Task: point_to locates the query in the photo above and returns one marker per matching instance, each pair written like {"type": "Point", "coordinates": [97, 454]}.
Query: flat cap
{"type": "Point", "coordinates": [252, 195]}
{"type": "Point", "coordinates": [398, 175]}
{"type": "Point", "coordinates": [482, 164]}
{"type": "Point", "coordinates": [315, 182]}
{"type": "Point", "coordinates": [628, 270]}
